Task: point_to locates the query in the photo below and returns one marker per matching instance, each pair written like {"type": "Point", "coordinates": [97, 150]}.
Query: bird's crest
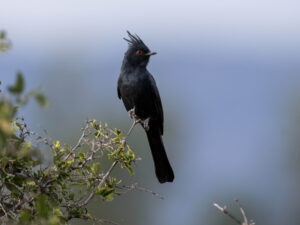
{"type": "Point", "coordinates": [134, 39]}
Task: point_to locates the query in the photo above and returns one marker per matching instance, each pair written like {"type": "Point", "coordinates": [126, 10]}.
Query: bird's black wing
{"type": "Point", "coordinates": [118, 89]}
{"type": "Point", "coordinates": [157, 105]}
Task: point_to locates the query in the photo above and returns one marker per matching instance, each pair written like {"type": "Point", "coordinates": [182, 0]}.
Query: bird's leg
{"type": "Point", "coordinates": [145, 123]}
{"type": "Point", "coordinates": [131, 113]}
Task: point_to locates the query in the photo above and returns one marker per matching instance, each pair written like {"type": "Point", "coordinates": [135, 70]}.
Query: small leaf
{"type": "Point", "coordinates": [42, 206]}
{"type": "Point", "coordinates": [25, 216]}
{"type": "Point", "coordinates": [81, 155]}
{"type": "Point", "coordinates": [70, 162]}
{"type": "Point", "coordinates": [106, 192]}
{"type": "Point", "coordinates": [18, 87]}
{"type": "Point", "coordinates": [3, 162]}
{"type": "Point", "coordinates": [41, 99]}
{"type": "Point", "coordinates": [58, 212]}
{"type": "Point", "coordinates": [95, 125]}
{"type": "Point", "coordinates": [12, 188]}
{"type": "Point", "coordinates": [71, 195]}
{"type": "Point", "coordinates": [131, 172]}
{"type": "Point", "coordinates": [116, 139]}
{"type": "Point", "coordinates": [96, 168]}
{"type": "Point", "coordinates": [2, 35]}
{"type": "Point", "coordinates": [109, 198]}
{"type": "Point", "coordinates": [118, 132]}
{"type": "Point", "coordinates": [56, 144]}
{"type": "Point", "coordinates": [97, 134]}
{"type": "Point", "coordinates": [130, 153]}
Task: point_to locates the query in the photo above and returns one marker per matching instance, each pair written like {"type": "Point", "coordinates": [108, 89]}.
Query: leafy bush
{"type": "Point", "coordinates": [32, 194]}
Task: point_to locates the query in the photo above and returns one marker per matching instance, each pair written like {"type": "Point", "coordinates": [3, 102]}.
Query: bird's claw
{"type": "Point", "coordinates": [145, 124]}
{"type": "Point", "coordinates": [131, 113]}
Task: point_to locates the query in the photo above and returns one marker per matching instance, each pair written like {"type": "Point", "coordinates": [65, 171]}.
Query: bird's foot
{"type": "Point", "coordinates": [131, 113]}
{"type": "Point", "coordinates": [145, 123]}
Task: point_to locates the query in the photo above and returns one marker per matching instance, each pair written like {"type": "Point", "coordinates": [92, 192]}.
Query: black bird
{"type": "Point", "coordinates": [137, 89]}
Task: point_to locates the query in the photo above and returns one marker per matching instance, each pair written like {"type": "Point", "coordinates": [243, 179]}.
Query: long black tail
{"type": "Point", "coordinates": [163, 169]}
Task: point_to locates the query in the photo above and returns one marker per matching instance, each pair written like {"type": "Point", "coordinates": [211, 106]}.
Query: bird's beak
{"type": "Point", "coordinates": [150, 53]}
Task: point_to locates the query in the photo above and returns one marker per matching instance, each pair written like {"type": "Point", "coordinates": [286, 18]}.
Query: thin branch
{"type": "Point", "coordinates": [136, 187]}
{"type": "Point", "coordinates": [105, 221]}
{"type": "Point", "coordinates": [99, 185]}
{"type": "Point", "coordinates": [4, 211]}
{"type": "Point", "coordinates": [242, 211]}
{"type": "Point", "coordinates": [226, 212]}
{"type": "Point", "coordinates": [79, 141]}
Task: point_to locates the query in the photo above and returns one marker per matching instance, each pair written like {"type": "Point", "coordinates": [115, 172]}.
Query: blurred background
{"type": "Point", "coordinates": [229, 77]}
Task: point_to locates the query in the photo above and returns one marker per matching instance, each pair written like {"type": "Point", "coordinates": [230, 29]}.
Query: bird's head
{"type": "Point", "coordinates": [138, 53]}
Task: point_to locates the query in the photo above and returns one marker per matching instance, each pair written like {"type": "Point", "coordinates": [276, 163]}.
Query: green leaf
{"type": "Point", "coordinates": [56, 144]}
{"type": "Point", "coordinates": [72, 195]}
{"type": "Point", "coordinates": [42, 206]}
{"type": "Point", "coordinates": [109, 198]}
{"type": "Point", "coordinates": [81, 155]}
{"type": "Point", "coordinates": [96, 168]}
{"type": "Point", "coordinates": [2, 35]}
{"type": "Point", "coordinates": [12, 188]}
{"type": "Point", "coordinates": [19, 180]}
{"type": "Point", "coordinates": [70, 162]}
{"type": "Point", "coordinates": [97, 134]}
{"type": "Point", "coordinates": [58, 212]}
{"type": "Point", "coordinates": [95, 125]}
{"type": "Point", "coordinates": [3, 162]}
{"type": "Point", "coordinates": [106, 192]}
{"type": "Point", "coordinates": [130, 153]}
{"type": "Point", "coordinates": [118, 132]}
{"type": "Point", "coordinates": [18, 87]}
{"type": "Point", "coordinates": [41, 99]}
{"type": "Point", "coordinates": [25, 216]}
{"type": "Point", "coordinates": [116, 139]}
{"type": "Point", "coordinates": [129, 168]}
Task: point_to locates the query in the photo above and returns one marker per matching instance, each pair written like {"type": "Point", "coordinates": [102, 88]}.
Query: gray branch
{"type": "Point", "coordinates": [228, 213]}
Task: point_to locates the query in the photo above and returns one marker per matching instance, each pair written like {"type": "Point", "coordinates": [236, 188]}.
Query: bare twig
{"type": "Point", "coordinates": [105, 221]}
{"type": "Point", "coordinates": [136, 187]}
{"type": "Point", "coordinates": [4, 211]}
{"type": "Point", "coordinates": [79, 141]}
{"type": "Point", "coordinates": [226, 212]}
{"type": "Point", "coordinates": [243, 212]}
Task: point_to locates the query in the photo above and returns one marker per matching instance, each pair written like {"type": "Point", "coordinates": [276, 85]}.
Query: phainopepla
{"type": "Point", "coordinates": [137, 89]}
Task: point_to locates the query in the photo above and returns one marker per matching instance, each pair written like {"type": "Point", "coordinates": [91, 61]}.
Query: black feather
{"type": "Point", "coordinates": [134, 39]}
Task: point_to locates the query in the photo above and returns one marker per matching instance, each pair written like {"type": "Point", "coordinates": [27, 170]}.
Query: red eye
{"type": "Point", "coordinates": [139, 52]}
